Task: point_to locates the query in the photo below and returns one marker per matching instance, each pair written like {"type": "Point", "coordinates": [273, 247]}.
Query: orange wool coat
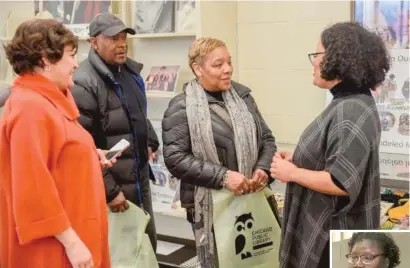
{"type": "Point", "coordinates": [51, 179]}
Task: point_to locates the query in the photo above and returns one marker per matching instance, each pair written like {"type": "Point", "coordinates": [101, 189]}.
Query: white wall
{"type": "Point", "coordinates": [274, 38]}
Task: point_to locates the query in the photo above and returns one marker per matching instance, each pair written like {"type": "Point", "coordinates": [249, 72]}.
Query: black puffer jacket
{"type": "Point", "coordinates": [102, 114]}
{"type": "Point", "coordinates": [192, 171]}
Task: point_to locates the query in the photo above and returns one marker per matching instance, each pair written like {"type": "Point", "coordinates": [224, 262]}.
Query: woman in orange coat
{"type": "Point", "coordinates": [52, 201]}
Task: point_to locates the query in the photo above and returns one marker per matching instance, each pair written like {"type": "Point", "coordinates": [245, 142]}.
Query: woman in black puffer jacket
{"type": "Point", "coordinates": [210, 109]}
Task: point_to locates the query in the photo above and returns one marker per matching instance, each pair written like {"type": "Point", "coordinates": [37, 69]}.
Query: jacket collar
{"type": "Point", "coordinates": [104, 71]}
{"type": "Point", "coordinates": [242, 90]}
{"type": "Point", "coordinates": [345, 88]}
{"type": "Point", "coordinates": [46, 88]}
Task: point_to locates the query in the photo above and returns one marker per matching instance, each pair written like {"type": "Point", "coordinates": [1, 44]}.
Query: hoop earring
{"type": "Point", "coordinates": [47, 68]}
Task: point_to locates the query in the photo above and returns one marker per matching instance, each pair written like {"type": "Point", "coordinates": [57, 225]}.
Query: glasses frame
{"type": "Point", "coordinates": [312, 56]}
{"type": "Point", "coordinates": [361, 258]}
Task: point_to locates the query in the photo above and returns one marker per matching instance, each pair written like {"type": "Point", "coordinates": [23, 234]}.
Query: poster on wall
{"type": "Point", "coordinates": [76, 15]}
{"type": "Point", "coordinates": [389, 19]}
{"type": "Point", "coordinates": [392, 99]}
{"type": "Point", "coordinates": [165, 189]}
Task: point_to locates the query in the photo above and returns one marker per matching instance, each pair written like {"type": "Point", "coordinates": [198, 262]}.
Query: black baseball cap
{"type": "Point", "coordinates": [109, 25]}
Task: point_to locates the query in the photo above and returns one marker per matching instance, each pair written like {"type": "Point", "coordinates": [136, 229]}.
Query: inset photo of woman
{"type": "Point", "coordinates": [370, 249]}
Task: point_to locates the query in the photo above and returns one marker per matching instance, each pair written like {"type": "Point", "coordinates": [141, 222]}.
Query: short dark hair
{"type": "Point", "coordinates": [355, 55]}
{"type": "Point", "coordinates": [385, 242]}
{"type": "Point", "coordinates": [35, 39]}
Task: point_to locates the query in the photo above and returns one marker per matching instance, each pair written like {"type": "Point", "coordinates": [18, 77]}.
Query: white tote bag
{"type": "Point", "coordinates": [130, 246]}
{"type": "Point", "coordinates": [247, 233]}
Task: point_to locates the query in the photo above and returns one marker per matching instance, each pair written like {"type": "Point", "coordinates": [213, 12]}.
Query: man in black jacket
{"type": "Point", "coordinates": [110, 94]}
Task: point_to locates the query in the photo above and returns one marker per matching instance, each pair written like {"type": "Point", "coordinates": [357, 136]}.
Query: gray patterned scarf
{"type": "Point", "coordinates": [203, 147]}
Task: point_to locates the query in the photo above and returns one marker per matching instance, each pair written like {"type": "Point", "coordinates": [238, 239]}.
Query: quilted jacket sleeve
{"type": "Point", "coordinates": [89, 117]}
{"type": "Point", "coordinates": [152, 137]}
{"type": "Point", "coordinates": [178, 156]}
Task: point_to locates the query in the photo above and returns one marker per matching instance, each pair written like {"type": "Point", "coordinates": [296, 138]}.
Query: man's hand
{"type": "Point", "coordinates": [258, 181]}
{"type": "Point", "coordinates": [103, 160]}
{"type": "Point", "coordinates": [119, 204]}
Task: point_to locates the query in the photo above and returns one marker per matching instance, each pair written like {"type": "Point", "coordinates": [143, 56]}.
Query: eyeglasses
{"type": "Point", "coordinates": [313, 56]}
{"type": "Point", "coordinates": [365, 259]}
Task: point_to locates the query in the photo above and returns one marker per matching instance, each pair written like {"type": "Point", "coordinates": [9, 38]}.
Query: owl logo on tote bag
{"type": "Point", "coordinates": [243, 223]}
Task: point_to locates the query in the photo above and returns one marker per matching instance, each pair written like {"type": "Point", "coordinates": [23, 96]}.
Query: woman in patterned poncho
{"type": "Point", "coordinates": [333, 175]}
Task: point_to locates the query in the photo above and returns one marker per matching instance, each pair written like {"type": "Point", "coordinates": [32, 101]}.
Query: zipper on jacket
{"type": "Point", "coordinates": [134, 153]}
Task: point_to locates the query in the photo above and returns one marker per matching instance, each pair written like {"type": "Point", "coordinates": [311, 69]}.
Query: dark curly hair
{"type": "Point", "coordinates": [385, 242]}
{"type": "Point", "coordinates": [35, 39]}
{"type": "Point", "coordinates": [354, 55]}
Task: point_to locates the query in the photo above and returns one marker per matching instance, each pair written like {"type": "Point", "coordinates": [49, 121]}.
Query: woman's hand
{"type": "Point", "coordinates": [76, 251]}
{"type": "Point", "coordinates": [79, 255]}
{"type": "Point", "coordinates": [282, 169]}
{"type": "Point", "coordinates": [259, 181]}
{"type": "Point", "coordinates": [237, 183]}
{"type": "Point", "coordinates": [285, 156]}
{"type": "Point", "coordinates": [103, 160]}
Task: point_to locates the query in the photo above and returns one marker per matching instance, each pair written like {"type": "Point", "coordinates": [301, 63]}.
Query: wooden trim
{"type": "Point", "coordinates": [163, 35]}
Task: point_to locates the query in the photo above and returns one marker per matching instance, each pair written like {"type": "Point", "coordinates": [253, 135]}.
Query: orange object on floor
{"type": "Point", "coordinates": [400, 193]}
{"type": "Point", "coordinates": [397, 213]}
{"type": "Point", "coordinates": [51, 179]}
